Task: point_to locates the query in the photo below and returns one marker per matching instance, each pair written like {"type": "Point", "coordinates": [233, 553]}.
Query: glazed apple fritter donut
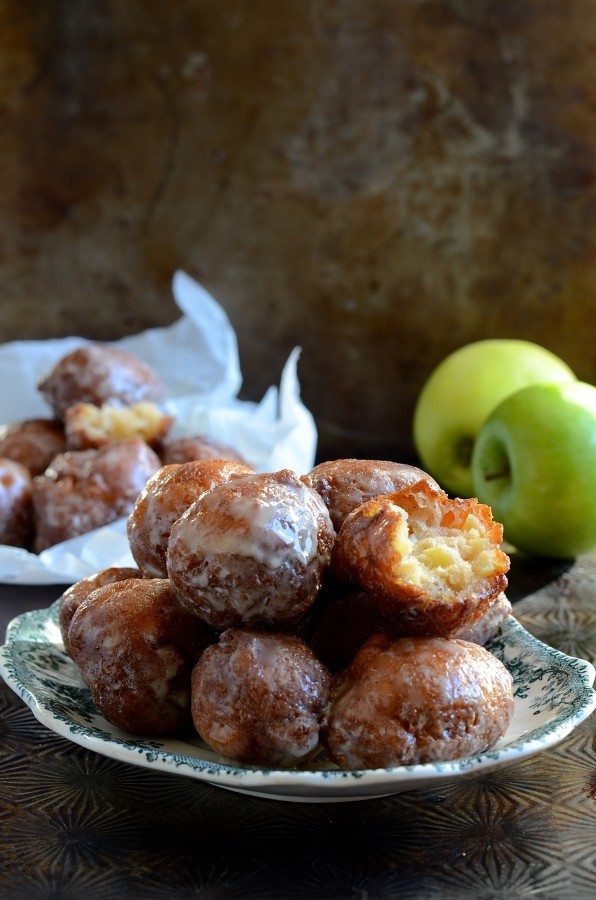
{"type": "Point", "coordinates": [98, 374]}
{"type": "Point", "coordinates": [16, 504]}
{"type": "Point", "coordinates": [260, 698]}
{"type": "Point", "coordinates": [166, 495]}
{"type": "Point", "coordinates": [74, 595]}
{"type": "Point", "coordinates": [345, 484]}
{"type": "Point", "coordinates": [32, 442]}
{"type": "Point", "coordinates": [417, 700]}
{"type": "Point", "coordinates": [197, 446]}
{"type": "Point", "coordinates": [85, 489]}
{"type": "Point", "coordinates": [251, 551]}
{"type": "Point", "coordinates": [135, 645]}
{"type": "Point", "coordinates": [432, 565]}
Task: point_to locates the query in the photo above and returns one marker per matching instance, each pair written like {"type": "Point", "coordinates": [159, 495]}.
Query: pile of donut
{"type": "Point", "coordinates": [280, 616]}
{"type": "Point", "coordinates": [84, 465]}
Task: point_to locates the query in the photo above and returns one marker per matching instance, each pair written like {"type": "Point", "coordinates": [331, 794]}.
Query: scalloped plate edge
{"type": "Point", "coordinates": [305, 785]}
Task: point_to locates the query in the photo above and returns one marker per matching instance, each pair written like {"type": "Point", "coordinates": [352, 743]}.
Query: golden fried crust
{"type": "Point", "coordinates": [417, 700]}
{"type": "Point", "coordinates": [74, 595]}
{"type": "Point", "coordinates": [430, 564]}
{"type": "Point", "coordinates": [98, 374]}
{"type": "Point", "coordinates": [33, 443]}
{"type": "Point", "coordinates": [252, 552]}
{"type": "Point", "coordinates": [86, 489]}
{"type": "Point", "coordinates": [135, 645]}
{"type": "Point", "coordinates": [193, 447]}
{"type": "Point", "coordinates": [345, 484]}
{"type": "Point", "coordinates": [168, 494]}
{"type": "Point", "coordinates": [260, 698]}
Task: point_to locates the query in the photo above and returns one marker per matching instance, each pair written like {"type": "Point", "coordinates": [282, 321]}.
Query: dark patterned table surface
{"type": "Point", "coordinates": [74, 824]}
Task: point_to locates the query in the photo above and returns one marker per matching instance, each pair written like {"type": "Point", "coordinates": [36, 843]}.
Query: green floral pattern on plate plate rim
{"type": "Point", "coordinates": [553, 694]}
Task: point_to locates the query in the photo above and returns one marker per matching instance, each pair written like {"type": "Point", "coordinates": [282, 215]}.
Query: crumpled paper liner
{"type": "Point", "coordinates": [197, 359]}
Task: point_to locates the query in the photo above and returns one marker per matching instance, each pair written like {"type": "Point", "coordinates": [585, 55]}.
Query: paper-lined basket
{"type": "Point", "coordinates": [197, 359]}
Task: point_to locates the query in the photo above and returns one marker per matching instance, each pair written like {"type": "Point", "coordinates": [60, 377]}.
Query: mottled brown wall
{"type": "Point", "coordinates": [379, 181]}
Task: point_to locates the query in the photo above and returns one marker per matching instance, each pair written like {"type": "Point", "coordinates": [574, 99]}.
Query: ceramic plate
{"type": "Point", "coordinates": [553, 694]}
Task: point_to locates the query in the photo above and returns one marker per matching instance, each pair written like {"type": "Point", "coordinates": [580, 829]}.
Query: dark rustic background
{"type": "Point", "coordinates": [377, 181]}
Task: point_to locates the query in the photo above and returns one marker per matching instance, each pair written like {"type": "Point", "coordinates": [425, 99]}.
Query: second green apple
{"type": "Point", "coordinates": [534, 463]}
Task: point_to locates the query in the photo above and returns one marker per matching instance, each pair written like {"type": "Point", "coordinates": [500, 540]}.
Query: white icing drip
{"type": "Point", "coordinates": [270, 532]}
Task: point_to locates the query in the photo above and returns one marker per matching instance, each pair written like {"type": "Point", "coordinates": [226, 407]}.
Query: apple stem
{"type": "Point", "coordinates": [492, 476]}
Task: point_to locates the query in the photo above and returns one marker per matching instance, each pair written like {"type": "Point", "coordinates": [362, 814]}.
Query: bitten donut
{"type": "Point", "coordinates": [135, 645]}
{"type": "Point", "coordinates": [86, 425]}
{"type": "Point", "coordinates": [260, 698]}
{"type": "Point", "coordinates": [251, 551]}
{"type": "Point", "coordinates": [33, 443]}
{"type": "Point", "coordinates": [98, 374]}
{"type": "Point", "coordinates": [430, 564]}
{"type": "Point", "coordinates": [74, 595]}
{"type": "Point", "coordinates": [198, 446]}
{"type": "Point", "coordinates": [85, 489]}
{"type": "Point", "coordinates": [345, 484]}
{"type": "Point", "coordinates": [16, 504]}
{"type": "Point", "coordinates": [417, 700]}
{"type": "Point", "coordinates": [167, 494]}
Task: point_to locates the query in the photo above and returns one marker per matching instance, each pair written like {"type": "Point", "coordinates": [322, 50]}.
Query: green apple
{"type": "Point", "coordinates": [462, 392]}
{"type": "Point", "coordinates": [534, 464]}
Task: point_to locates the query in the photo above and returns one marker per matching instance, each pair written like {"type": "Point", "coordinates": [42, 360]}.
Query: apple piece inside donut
{"type": "Point", "coordinates": [87, 425]}
{"type": "Point", "coordinates": [442, 555]}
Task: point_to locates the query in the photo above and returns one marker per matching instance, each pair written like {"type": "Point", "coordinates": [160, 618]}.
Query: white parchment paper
{"type": "Point", "coordinates": [197, 359]}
